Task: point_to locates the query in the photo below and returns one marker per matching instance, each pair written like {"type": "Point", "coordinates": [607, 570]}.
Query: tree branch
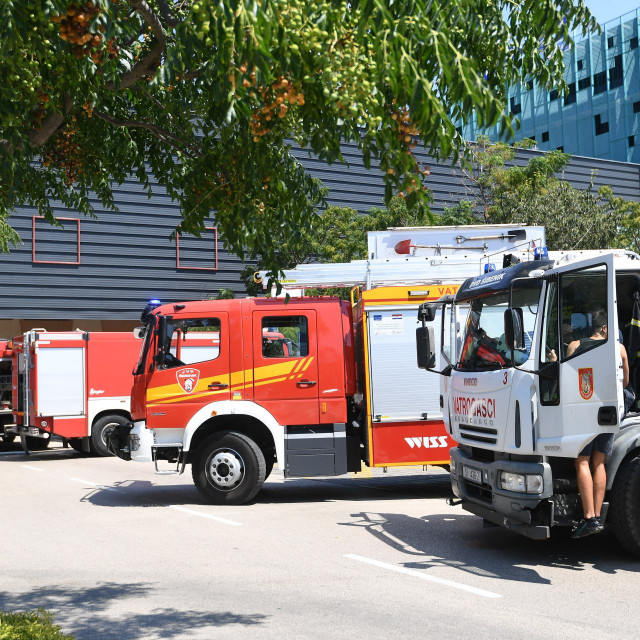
{"type": "Point", "coordinates": [37, 137]}
{"type": "Point", "coordinates": [160, 133]}
{"type": "Point", "coordinates": [143, 67]}
{"type": "Point", "coordinates": [168, 16]}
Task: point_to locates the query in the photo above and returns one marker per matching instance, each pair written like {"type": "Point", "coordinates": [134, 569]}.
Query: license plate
{"type": "Point", "coordinates": [475, 475]}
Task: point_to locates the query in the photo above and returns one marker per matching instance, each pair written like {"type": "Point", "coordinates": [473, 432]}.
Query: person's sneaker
{"type": "Point", "coordinates": [600, 524]}
{"type": "Point", "coordinates": [586, 528]}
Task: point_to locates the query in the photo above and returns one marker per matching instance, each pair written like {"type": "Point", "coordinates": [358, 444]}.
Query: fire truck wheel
{"type": "Point", "coordinates": [625, 509]}
{"type": "Point", "coordinates": [8, 439]}
{"type": "Point", "coordinates": [101, 429]}
{"type": "Point", "coordinates": [37, 444]}
{"type": "Point", "coordinates": [228, 468]}
{"type": "Point", "coordinates": [76, 444]}
{"type": "Point", "coordinates": [269, 460]}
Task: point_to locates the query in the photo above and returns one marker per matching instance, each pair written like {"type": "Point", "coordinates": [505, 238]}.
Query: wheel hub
{"type": "Point", "coordinates": [225, 469]}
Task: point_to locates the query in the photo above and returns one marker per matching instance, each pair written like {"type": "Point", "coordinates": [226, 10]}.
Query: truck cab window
{"type": "Point", "coordinates": [192, 340]}
{"type": "Point", "coordinates": [550, 346]}
{"type": "Point", "coordinates": [285, 337]}
{"type": "Point", "coordinates": [583, 310]}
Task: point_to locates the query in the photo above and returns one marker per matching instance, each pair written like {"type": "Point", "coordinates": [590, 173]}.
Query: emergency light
{"type": "Point", "coordinates": [489, 267]}
{"type": "Point", "coordinates": [540, 253]}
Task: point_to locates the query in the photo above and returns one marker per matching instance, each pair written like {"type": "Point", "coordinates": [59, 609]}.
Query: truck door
{"type": "Point", "coordinates": [285, 361]}
{"type": "Point", "coordinates": [585, 398]}
{"type": "Point", "coordinates": [195, 371]}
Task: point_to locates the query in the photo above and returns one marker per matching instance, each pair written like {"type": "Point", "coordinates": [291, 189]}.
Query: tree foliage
{"type": "Point", "coordinates": [208, 96]}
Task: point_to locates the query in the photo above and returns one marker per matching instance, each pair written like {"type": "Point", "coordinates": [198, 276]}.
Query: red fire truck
{"type": "Point", "coordinates": [6, 416]}
{"type": "Point", "coordinates": [319, 385]}
{"type": "Point", "coordinates": [72, 384]}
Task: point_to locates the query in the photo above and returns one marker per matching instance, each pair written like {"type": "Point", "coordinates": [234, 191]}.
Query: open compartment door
{"type": "Point", "coordinates": [585, 399]}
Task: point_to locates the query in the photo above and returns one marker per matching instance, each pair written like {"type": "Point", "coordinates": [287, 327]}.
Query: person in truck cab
{"type": "Point", "coordinates": [590, 469]}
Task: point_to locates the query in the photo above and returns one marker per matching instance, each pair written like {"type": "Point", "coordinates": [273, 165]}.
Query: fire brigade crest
{"type": "Point", "coordinates": [188, 378]}
{"type": "Point", "coordinates": [585, 382]}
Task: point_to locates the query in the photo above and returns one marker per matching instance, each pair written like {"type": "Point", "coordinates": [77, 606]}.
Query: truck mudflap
{"type": "Point", "coordinates": [478, 484]}
{"type": "Point", "coordinates": [118, 441]}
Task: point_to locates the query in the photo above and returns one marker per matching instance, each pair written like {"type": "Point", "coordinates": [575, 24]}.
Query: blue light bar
{"type": "Point", "coordinates": [489, 267]}
{"type": "Point", "coordinates": [154, 301]}
{"type": "Point", "coordinates": [540, 253]}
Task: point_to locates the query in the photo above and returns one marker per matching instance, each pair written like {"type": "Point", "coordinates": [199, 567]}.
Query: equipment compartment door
{"type": "Point", "coordinates": [587, 398]}
{"type": "Point", "coordinates": [60, 381]}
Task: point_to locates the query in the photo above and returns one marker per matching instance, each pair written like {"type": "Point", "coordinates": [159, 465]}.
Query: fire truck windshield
{"type": "Point", "coordinates": [484, 345]}
{"type": "Point", "coordinates": [144, 347]}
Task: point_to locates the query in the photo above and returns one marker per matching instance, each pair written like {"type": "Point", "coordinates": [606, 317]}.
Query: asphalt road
{"type": "Point", "coordinates": [117, 552]}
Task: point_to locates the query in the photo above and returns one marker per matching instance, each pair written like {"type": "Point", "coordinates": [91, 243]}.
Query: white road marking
{"type": "Point", "coordinates": [424, 576]}
{"type": "Point", "coordinates": [28, 466]}
{"type": "Point", "coordinates": [205, 515]}
{"type": "Point", "coordinates": [93, 484]}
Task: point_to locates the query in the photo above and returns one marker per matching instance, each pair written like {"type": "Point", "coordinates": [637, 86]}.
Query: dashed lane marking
{"type": "Point", "coordinates": [205, 515]}
{"type": "Point", "coordinates": [423, 576]}
{"type": "Point", "coordinates": [28, 466]}
{"type": "Point", "coordinates": [94, 484]}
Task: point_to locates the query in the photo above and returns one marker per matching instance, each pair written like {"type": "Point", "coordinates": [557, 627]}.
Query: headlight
{"type": "Point", "coordinates": [522, 483]}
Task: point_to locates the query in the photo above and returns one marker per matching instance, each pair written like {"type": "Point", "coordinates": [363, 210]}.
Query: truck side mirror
{"type": "Point", "coordinates": [427, 312]}
{"type": "Point", "coordinates": [140, 332]}
{"type": "Point", "coordinates": [514, 328]}
{"type": "Point", "coordinates": [424, 345]}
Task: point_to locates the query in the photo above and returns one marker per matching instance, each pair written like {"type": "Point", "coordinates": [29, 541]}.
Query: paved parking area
{"type": "Point", "coordinates": [118, 552]}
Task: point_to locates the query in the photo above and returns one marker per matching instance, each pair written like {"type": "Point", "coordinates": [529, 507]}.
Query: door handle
{"type": "Point", "coordinates": [306, 383]}
{"type": "Point", "coordinates": [218, 385]}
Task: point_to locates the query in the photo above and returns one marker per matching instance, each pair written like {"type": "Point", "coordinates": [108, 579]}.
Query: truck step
{"type": "Point", "coordinates": [157, 456]}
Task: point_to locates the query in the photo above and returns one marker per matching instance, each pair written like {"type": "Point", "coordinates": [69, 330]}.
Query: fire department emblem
{"type": "Point", "coordinates": [188, 378]}
{"type": "Point", "coordinates": [585, 382]}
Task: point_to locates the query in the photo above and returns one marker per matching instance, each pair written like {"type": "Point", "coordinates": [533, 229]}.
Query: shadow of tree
{"type": "Point", "coordinates": [84, 612]}
{"type": "Point", "coordinates": [460, 541]}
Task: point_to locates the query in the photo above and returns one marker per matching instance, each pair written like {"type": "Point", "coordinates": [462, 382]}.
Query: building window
{"type": "Point", "coordinates": [636, 107]}
{"type": "Point", "coordinates": [632, 141]}
{"type": "Point", "coordinates": [545, 136]}
{"type": "Point", "coordinates": [570, 97]}
{"type": "Point", "coordinates": [601, 127]}
{"type": "Point", "coordinates": [198, 253]}
{"type": "Point", "coordinates": [57, 245]}
{"type": "Point", "coordinates": [615, 73]}
{"type": "Point", "coordinates": [585, 83]}
{"type": "Point", "coordinates": [599, 82]}
{"type": "Point", "coordinates": [530, 85]}
{"type": "Point", "coordinates": [610, 42]}
{"type": "Point", "coordinates": [553, 95]}
{"type": "Point", "coordinates": [580, 65]}
{"type": "Point", "coordinates": [633, 43]}
{"type": "Point", "coordinates": [515, 108]}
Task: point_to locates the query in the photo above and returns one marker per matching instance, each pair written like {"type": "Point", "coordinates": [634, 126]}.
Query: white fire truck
{"type": "Point", "coordinates": [525, 389]}
{"type": "Point", "coordinates": [317, 384]}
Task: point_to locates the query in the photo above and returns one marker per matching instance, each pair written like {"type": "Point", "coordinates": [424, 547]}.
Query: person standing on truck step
{"type": "Point", "coordinates": [590, 469]}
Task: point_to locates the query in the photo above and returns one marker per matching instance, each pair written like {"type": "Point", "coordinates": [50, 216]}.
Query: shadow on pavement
{"type": "Point", "coordinates": [137, 493]}
{"type": "Point", "coordinates": [460, 541]}
{"type": "Point", "coordinates": [82, 612]}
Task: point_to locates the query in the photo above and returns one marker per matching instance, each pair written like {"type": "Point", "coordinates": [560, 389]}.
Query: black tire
{"type": "Point", "coordinates": [99, 431]}
{"type": "Point", "coordinates": [269, 461]}
{"type": "Point", "coordinates": [228, 468]}
{"type": "Point", "coordinates": [8, 439]}
{"type": "Point", "coordinates": [625, 505]}
{"type": "Point", "coordinates": [37, 444]}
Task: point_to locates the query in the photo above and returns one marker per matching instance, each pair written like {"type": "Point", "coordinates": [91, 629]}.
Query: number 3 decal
{"type": "Point", "coordinates": [506, 377]}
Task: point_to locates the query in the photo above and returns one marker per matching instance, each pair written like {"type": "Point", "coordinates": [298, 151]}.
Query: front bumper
{"type": "Point", "coordinates": [530, 515]}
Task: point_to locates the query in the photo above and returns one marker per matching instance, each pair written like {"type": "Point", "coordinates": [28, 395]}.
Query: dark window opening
{"type": "Point", "coordinates": [601, 127]}
{"type": "Point", "coordinates": [633, 43]}
{"type": "Point", "coordinates": [615, 73]}
{"type": "Point", "coordinates": [545, 136]}
{"type": "Point", "coordinates": [632, 141]}
{"type": "Point", "coordinates": [515, 108]}
{"type": "Point", "coordinates": [530, 85]}
{"type": "Point", "coordinates": [584, 83]}
{"type": "Point", "coordinates": [570, 97]}
{"type": "Point", "coordinates": [285, 337]}
{"type": "Point", "coordinates": [580, 65]}
{"type": "Point", "coordinates": [636, 107]}
{"type": "Point", "coordinates": [599, 82]}
{"type": "Point", "coordinates": [553, 95]}
{"type": "Point", "coordinates": [610, 42]}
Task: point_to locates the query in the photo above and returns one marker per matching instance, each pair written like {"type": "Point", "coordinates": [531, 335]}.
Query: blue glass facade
{"type": "Point", "coordinates": [600, 116]}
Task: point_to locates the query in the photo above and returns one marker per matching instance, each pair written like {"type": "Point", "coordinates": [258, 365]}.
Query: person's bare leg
{"type": "Point", "coordinates": [585, 485]}
{"type": "Point", "coordinates": [599, 475]}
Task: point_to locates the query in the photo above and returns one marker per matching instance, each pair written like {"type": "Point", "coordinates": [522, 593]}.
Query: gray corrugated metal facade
{"type": "Point", "coordinates": [128, 257]}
